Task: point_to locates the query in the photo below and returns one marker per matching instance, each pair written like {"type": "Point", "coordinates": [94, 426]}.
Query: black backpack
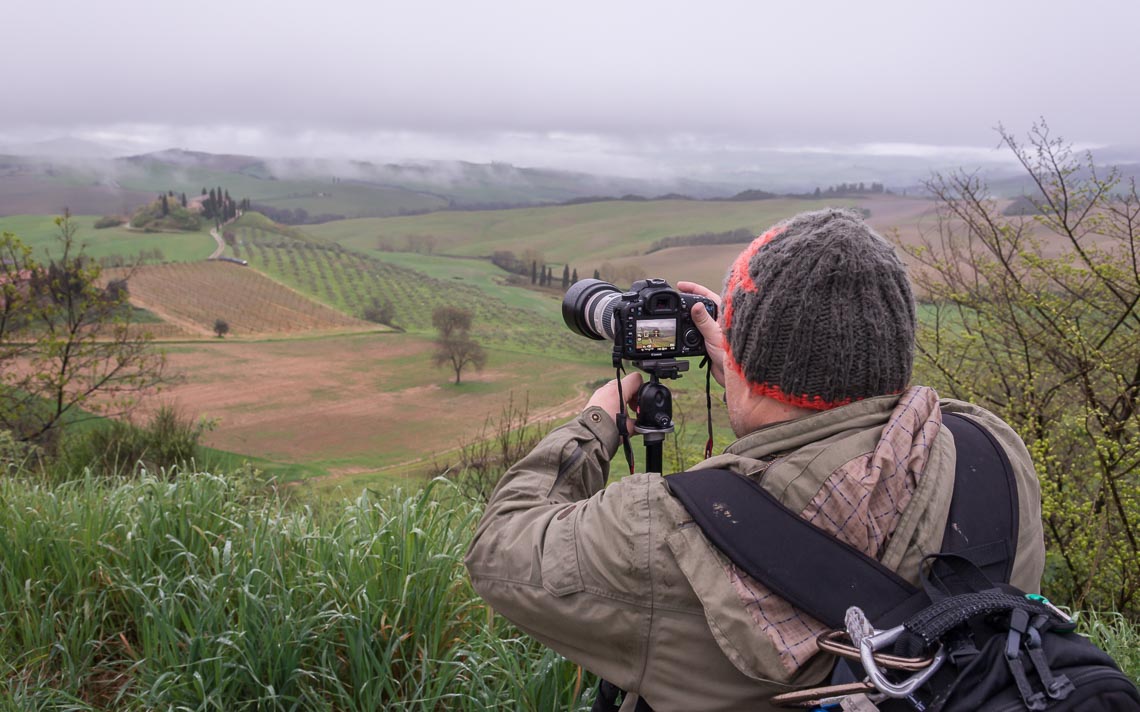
{"type": "Point", "coordinates": [996, 648]}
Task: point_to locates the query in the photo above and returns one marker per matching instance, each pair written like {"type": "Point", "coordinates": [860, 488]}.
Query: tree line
{"type": "Point", "coordinates": [741, 235]}
{"type": "Point", "coordinates": [217, 205]}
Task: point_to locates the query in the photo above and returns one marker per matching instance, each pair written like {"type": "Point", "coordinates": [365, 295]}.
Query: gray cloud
{"type": "Point", "coordinates": [642, 84]}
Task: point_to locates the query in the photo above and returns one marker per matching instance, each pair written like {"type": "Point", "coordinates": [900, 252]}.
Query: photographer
{"type": "Point", "coordinates": [814, 348]}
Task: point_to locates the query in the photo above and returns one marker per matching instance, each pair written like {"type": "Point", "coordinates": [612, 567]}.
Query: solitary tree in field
{"type": "Point", "coordinates": [451, 321]}
{"type": "Point", "coordinates": [68, 348]}
{"type": "Point", "coordinates": [455, 347]}
{"type": "Point", "coordinates": [221, 327]}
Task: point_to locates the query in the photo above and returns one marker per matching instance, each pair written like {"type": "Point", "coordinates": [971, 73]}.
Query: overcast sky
{"type": "Point", "coordinates": [567, 83]}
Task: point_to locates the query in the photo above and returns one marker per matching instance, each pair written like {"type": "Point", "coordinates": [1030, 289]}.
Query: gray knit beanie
{"type": "Point", "coordinates": [818, 312]}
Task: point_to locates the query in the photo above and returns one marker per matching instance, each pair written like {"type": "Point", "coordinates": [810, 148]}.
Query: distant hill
{"type": "Point", "coordinates": [308, 190]}
{"type": "Point", "coordinates": [63, 147]}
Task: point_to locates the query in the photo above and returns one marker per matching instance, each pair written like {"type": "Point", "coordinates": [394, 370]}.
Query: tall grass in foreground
{"type": "Point", "coordinates": [206, 592]}
{"type": "Point", "coordinates": [202, 592]}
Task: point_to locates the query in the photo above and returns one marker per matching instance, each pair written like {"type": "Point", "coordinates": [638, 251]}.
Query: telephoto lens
{"type": "Point", "coordinates": [588, 308]}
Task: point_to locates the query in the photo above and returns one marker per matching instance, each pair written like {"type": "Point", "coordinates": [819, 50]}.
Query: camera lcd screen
{"type": "Point", "coordinates": [656, 334]}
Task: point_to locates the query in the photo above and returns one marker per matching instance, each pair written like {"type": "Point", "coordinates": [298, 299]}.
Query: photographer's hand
{"type": "Point", "coordinates": [607, 399]}
{"type": "Point", "coordinates": [710, 329]}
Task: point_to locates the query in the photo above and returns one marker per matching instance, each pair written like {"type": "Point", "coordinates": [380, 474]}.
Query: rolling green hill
{"type": "Point", "coordinates": [247, 177]}
{"type": "Point", "coordinates": [578, 234]}
{"type": "Point", "coordinates": [351, 281]}
{"type": "Point", "coordinates": [318, 186]}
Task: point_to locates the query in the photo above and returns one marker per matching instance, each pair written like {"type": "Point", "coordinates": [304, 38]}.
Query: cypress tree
{"type": "Point", "coordinates": [565, 277]}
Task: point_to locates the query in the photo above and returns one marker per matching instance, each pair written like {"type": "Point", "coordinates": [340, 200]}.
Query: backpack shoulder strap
{"type": "Point", "coordinates": [983, 522]}
{"type": "Point", "coordinates": [825, 576]}
{"type": "Point", "coordinates": [774, 545]}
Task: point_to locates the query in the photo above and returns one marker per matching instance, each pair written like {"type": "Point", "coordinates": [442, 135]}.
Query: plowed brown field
{"type": "Point", "coordinates": [359, 403]}
{"type": "Point", "coordinates": [192, 295]}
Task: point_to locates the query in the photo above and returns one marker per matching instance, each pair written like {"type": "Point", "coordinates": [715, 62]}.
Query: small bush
{"type": "Point", "coordinates": [109, 221]}
{"type": "Point", "coordinates": [17, 456]}
{"type": "Point", "coordinates": [501, 442]}
{"type": "Point", "coordinates": [120, 448]}
{"type": "Point", "coordinates": [380, 311]}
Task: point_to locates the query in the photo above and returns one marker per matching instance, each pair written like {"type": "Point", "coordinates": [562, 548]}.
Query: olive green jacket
{"type": "Point", "coordinates": [620, 580]}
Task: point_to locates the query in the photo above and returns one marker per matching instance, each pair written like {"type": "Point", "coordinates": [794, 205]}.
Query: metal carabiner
{"type": "Point", "coordinates": [881, 639]}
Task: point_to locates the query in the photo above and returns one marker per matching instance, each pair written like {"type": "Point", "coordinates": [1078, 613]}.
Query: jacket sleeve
{"type": "Point", "coordinates": [566, 559]}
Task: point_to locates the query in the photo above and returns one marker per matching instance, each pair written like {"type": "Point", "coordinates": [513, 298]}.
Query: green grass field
{"type": "Point", "coordinates": [582, 235]}
{"type": "Point", "coordinates": [351, 199]}
{"type": "Point", "coordinates": [40, 231]}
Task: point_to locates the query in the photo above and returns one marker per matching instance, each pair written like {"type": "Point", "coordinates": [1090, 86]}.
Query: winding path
{"type": "Point", "coordinates": [221, 244]}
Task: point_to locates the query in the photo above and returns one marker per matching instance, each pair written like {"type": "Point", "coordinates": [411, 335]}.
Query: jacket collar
{"type": "Point", "coordinates": [792, 434]}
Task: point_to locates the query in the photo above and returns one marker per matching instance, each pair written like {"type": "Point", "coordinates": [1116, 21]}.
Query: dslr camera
{"type": "Point", "coordinates": [650, 322]}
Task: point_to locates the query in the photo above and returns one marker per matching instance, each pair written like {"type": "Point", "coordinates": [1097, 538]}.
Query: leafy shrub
{"type": "Point", "coordinates": [119, 448]}
{"type": "Point", "coordinates": [109, 221]}
{"type": "Point", "coordinates": [1045, 332]}
{"type": "Point", "coordinates": [380, 311]}
{"type": "Point", "coordinates": [17, 456]}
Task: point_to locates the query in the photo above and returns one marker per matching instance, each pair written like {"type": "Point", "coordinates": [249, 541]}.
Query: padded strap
{"type": "Point", "coordinates": [983, 522]}
{"type": "Point", "coordinates": [778, 547]}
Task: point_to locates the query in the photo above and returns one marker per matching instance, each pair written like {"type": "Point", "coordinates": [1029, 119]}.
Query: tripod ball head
{"type": "Point", "coordinates": [654, 408]}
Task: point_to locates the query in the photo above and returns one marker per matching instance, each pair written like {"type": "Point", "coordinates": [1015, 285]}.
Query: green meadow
{"type": "Point", "coordinates": [585, 234]}
{"type": "Point", "coordinates": [40, 232]}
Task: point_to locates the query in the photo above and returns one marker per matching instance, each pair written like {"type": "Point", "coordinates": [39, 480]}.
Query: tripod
{"type": "Point", "coordinates": [655, 407]}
